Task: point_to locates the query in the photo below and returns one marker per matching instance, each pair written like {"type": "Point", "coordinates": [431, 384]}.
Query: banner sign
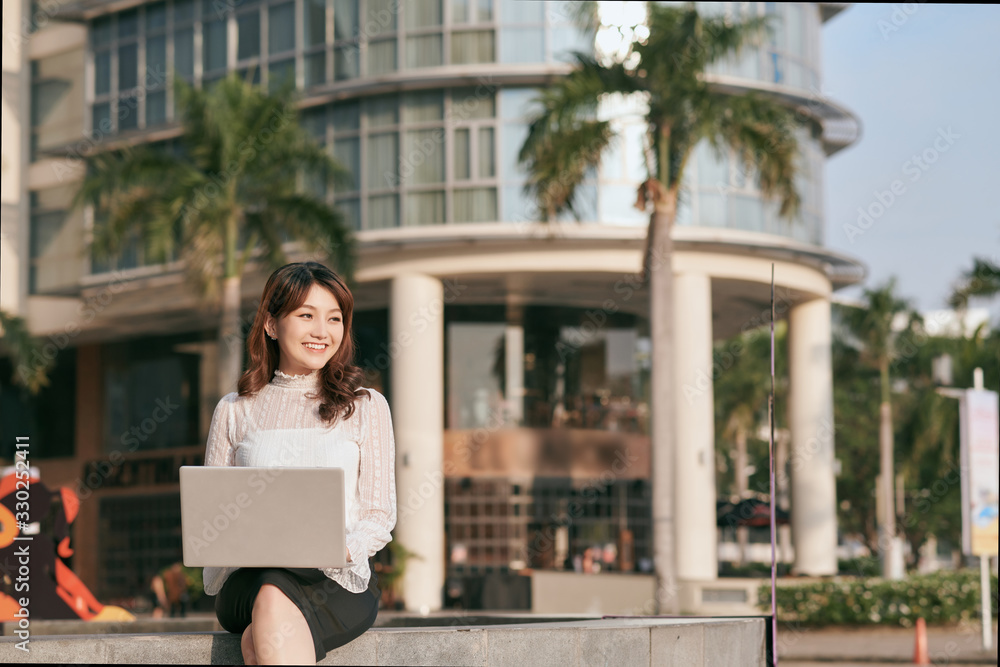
{"type": "Point", "coordinates": [980, 432]}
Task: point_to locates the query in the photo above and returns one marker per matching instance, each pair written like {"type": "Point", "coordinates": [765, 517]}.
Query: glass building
{"type": "Point", "coordinates": [521, 405]}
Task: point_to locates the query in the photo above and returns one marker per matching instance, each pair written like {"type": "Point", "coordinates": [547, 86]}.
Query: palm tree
{"type": "Point", "coordinates": [982, 280]}
{"type": "Point", "coordinates": [31, 365]}
{"type": "Point", "coordinates": [566, 139]}
{"type": "Point", "coordinates": [231, 195]}
{"type": "Point", "coordinates": [872, 326]}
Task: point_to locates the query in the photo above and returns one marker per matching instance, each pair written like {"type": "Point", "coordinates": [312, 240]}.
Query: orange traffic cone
{"type": "Point", "coordinates": [920, 656]}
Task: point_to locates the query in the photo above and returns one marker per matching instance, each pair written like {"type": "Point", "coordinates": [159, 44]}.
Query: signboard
{"type": "Point", "coordinates": [980, 432]}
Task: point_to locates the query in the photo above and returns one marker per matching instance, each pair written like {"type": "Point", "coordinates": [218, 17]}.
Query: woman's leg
{"type": "Point", "coordinates": [281, 635]}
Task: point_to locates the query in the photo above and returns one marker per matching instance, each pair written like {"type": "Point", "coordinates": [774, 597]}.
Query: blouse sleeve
{"type": "Point", "coordinates": [219, 451]}
{"type": "Point", "coordinates": [376, 481]}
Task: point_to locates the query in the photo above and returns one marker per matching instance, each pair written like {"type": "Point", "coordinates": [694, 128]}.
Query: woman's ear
{"type": "Point", "coordinates": [270, 325]}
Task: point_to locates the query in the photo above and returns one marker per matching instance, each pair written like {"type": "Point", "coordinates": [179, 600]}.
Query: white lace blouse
{"type": "Point", "coordinates": [281, 426]}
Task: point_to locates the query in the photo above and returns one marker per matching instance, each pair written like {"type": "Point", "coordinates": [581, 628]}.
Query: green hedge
{"type": "Point", "coordinates": [939, 598]}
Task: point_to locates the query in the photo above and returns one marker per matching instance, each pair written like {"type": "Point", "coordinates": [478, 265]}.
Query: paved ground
{"type": "Point", "coordinates": [846, 647]}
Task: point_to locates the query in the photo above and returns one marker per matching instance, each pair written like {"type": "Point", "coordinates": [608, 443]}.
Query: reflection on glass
{"type": "Point", "coordinates": [475, 372]}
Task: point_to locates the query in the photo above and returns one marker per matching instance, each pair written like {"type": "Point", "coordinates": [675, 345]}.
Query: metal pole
{"type": "Point", "coordinates": [984, 580]}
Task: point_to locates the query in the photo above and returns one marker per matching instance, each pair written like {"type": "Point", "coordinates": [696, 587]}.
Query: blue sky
{"type": "Point", "coordinates": [934, 72]}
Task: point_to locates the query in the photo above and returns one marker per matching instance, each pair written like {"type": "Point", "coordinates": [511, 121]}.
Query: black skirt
{"type": "Point", "coordinates": [334, 614]}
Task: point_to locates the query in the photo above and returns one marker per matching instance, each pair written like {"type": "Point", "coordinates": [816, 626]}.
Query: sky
{"type": "Point", "coordinates": [926, 84]}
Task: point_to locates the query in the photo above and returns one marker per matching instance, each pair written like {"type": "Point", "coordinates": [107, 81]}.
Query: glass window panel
{"type": "Point", "coordinates": [156, 60]}
{"type": "Point", "coordinates": [472, 103]}
{"type": "Point", "coordinates": [423, 107]}
{"type": "Point", "coordinates": [214, 45]}
{"type": "Point", "coordinates": [747, 213]}
{"type": "Point", "coordinates": [711, 210]}
{"type": "Point", "coordinates": [522, 11]}
{"type": "Point", "coordinates": [102, 72]}
{"type": "Point", "coordinates": [487, 153]}
{"type": "Point", "coordinates": [383, 110]}
{"type": "Point", "coordinates": [156, 108]}
{"type": "Point", "coordinates": [566, 38]}
{"type": "Point", "coordinates": [422, 13]}
{"type": "Point", "coordinates": [513, 137]}
{"type": "Point", "coordinates": [281, 28]}
{"type": "Point", "coordinates": [424, 51]}
{"type": "Point", "coordinates": [383, 212]}
{"type": "Point", "coordinates": [423, 208]}
{"type": "Point", "coordinates": [250, 74]}
{"type": "Point", "coordinates": [475, 205]}
{"type": "Point", "coordinates": [351, 208]}
{"type": "Point", "coordinates": [281, 73]}
{"type": "Point", "coordinates": [183, 10]}
{"type": "Point", "coordinates": [345, 19]}
{"type": "Point", "coordinates": [348, 153]}
{"type": "Point", "coordinates": [346, 117]}
{"type": "Point", "coordinates": [522, 45]}
{"type": "Point", "coordinates": [484, 10]}
{"type": "Point", "coordinates": [128, 113]}
{"type": "Point", "coordinates": [472, 47]}
{"type": "Point", "coordinates": [128, 66]}
{"type": "Point", "coordinates": [101, 121]}
{"type": "Point", "coordinates": [381, 17]}
{"type": "Point", "coordinates": [156, 16]}
{"type": "Point", "coordinates": [184, 52]}
{"type": "Point", "coordinates": [56, 90]}
{"type": "Point", "coordinates": [713, 169]}
{"type": "Point", "coordinates": [381, 57]}
{"type": "Point", "coordinates": [346, 62]}
{"type": "Point", "coordinates": [423, 157]}
{"type": "Point", "coordinates": [128, 23]}
{"type": "Point", "coordinates": [383, 161]}
{"type": "Point", "coordinates": [247, 35]}
{"type": "Point", "coordinates": [460, 11]}
{"type": "Point", "coordinates": [794, 30]}
{"type": "Point", "coordinates": [462, 164]}
{"type": "Point", "coordinates": [315, 68]}
{"type": "Point", "coordinates": [102, 30]}
{"type": "Point", "coordinates": [314, 19]}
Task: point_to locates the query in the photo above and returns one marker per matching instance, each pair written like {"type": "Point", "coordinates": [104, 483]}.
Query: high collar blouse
{"type": "Point", "coordinates": [280, 426]}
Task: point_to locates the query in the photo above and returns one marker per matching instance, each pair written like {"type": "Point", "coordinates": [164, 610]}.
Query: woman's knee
{"type": "Point", "coordinates": [271, 601]}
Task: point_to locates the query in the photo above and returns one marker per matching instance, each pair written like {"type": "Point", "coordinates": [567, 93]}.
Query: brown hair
{"type": "Point", "coordinates": [285, 291]}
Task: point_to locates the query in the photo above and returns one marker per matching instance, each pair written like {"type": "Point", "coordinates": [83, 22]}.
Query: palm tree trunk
{"type": "Point", "coordinates": [661, 282]}
{"type": "Point", "coordinates": [887, 539]}
{"type": "Point", "coordinates": [230, 338]}
{"type": "Point", "coordinates": [742, 486]}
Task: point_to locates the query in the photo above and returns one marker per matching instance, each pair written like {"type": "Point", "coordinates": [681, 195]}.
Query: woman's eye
{"type": "Point", "coordinates": [334, 319]}
{"type": "Point", "coordinates": [305, 315]}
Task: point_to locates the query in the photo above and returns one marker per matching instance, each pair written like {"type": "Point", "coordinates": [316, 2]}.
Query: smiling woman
{"type": "Point", "coordinates": [300, 404]}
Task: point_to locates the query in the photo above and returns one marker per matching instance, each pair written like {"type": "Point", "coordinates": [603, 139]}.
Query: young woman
{"type": "Point", "coordinates": [300, 404]}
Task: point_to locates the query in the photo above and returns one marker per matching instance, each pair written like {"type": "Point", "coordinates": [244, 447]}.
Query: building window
{"type": "Point", "coordinates": [152, 394]}
{"type": "Point", "coordinates": [137, 536]}
{"type": "Point", "coordinates": [49, 417]}
{"type": "Point", "coordinates": [56, 236]}
{"type": "Point", "coordinates": [56, 101]}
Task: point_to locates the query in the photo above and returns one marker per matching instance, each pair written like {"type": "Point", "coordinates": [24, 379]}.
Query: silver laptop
{"type": "Point", "coordinates": [263, 517]}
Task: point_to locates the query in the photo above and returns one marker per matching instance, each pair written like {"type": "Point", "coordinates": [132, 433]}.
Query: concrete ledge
{"type": "Point", "coordinates": [618, 641]}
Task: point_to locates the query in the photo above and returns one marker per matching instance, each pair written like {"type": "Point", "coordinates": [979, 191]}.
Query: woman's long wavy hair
{"type": "Point", "coordinates": [284, 292]}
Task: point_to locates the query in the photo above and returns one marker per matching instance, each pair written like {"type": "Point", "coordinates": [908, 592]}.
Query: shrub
{"type": "Point", "coordinates": [938, 598]}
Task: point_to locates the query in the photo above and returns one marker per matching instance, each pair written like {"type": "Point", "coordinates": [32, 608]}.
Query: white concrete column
{"type": "Point", "coordinates": [416, 330]}
{"type": "Point", "coordinates": [810, 417]}
{"type": "Point", "coordinates": [694, 472]}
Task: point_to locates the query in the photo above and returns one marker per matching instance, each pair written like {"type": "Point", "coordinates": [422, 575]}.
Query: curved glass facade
{"type": "Point", "coordinates": [448, 154]}
{"type": "Point", "coordinates": [789, 56]}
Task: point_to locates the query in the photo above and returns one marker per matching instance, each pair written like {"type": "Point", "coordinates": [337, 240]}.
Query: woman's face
{"type": "Point", "coordinates": [308, 336]}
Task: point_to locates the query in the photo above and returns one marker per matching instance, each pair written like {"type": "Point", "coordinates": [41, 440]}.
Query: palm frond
{"type": "Point", "coordinates": [762, 133]}
{"type": "Point", "coordinates": [983, 280]}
